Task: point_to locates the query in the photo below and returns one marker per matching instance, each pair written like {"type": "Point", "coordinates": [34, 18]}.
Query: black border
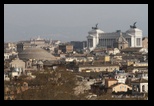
{"type": "Point", "coordinates": [81, 102]}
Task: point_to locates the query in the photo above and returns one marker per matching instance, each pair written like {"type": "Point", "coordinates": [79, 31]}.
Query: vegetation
{"type": "Point", "coordinates": [51, 90]}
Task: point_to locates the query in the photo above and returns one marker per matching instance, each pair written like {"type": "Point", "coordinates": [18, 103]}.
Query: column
{"type": "Point", "coordinates": [141, 88]}
{"type": "Point", "coordinates": [141, 42]}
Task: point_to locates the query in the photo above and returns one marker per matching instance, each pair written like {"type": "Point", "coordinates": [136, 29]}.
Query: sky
{"type": "Point", "coordinates": [70, 22]}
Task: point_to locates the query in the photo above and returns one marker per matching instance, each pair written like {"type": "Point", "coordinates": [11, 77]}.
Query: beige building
{"type": "Point", "coordinates": [97, 67]}
{"type": "Point", "coordinates": [9, 46]}
{"type": "Point", "coordinates": [129, 63]}
{"type": "Point", "coordinates": [110, 82]}
{"type": "Point", "coordinates": [66, 48]}
{"type": "Point", "coordinates": [106, 58]}
{"type": "Point", "coordinates": [121, 42]}
{"type": "Point", "coordinates": [120, 88]}
{"type": "Point", "coordinates": [37, 41]}
{"type": "Point", "coordinates": [145, 42]}
{"type": "Point", "coordinates": [139, 86]}
{"type": "Point", "coordinates": [140, 64]}
{"type": "Point", "coordinates": [18, 64]}
{"type": "Point", "coordinates": [22, 46]}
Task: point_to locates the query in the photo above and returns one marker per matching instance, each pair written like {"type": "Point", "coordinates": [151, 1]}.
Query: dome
{"type": "Point", "coordinates": [121, 39]}
{"type": "Point", "coordinates": [36, 53]}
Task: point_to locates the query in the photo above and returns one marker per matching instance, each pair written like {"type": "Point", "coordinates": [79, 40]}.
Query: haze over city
{"type": "Point", "coordinates": [70, 22]}
{"type": "Point", "coordinates": [76, 52]}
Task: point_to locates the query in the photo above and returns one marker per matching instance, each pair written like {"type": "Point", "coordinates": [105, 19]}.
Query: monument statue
{"type": "Point", "coordinates": [133, 26]}
{"type": "Point", "coordinates": [95, 27]}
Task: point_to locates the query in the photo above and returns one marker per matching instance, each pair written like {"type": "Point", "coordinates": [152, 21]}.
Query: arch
{"type": "Point", "coordinates": [9, 98]}
{"type": "Point", "coordinates": [138, 88]}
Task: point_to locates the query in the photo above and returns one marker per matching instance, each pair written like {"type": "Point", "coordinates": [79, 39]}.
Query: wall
{"type": "Point", "coordinates": [121, 88]}
{"type": "Point", "coordinates": [145, 42]}
{"type": "Point", "coordinates": [110, 82]}
{"type": "Point", "coordinates": [140, 86]}
{"type": "Point", "coordinates": [146, 87]}
{"type": "Point", "coordinates": [99, 68]}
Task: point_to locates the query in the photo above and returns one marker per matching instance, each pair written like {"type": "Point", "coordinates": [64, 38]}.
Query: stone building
{"type": "Point", "coordinates": [121, 42]}
{"type": "Point", "coordinates": [18, 65]}
{"type": "Point", "coordinates": [145, 42]}
{"type": "Point", "coordinates": [66, 48]}
{"type": "Point", "coordinates": [139, 86]}
{"type": "Point", "coordinates": [96, 67]}
{"type": "Point", "coordinates": [79, 45]}
{"type": "Point", "coordinates": [22, 46]}
{"type": "Point", "coordinates": [98, 37]}
{"type": "Point", "coordinates": [9, 46]}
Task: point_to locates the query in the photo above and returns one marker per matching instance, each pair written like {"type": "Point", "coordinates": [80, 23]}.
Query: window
{"type": "Point", "coordinates": [143, 88]}
{"type": "Point", "coordinates": [138, 41]}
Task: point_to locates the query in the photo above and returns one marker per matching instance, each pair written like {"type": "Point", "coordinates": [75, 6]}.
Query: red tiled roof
{"type": "Point", "coordinates": [111, 79]}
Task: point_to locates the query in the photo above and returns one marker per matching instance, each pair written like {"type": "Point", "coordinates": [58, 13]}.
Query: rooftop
{"type": "Point", "coordinates": [141, 80]}
{"type": "Point", "coordinates": [131, 49]}
{"type": "Point", "coordinates": [36, 53]}
{"type": "Point", "coordinates": [96, 64]}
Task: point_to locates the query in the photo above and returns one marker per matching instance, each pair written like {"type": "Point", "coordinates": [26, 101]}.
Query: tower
{"type": "Point", "coordinates": [93, 37]}
{"type": "Point", "coordinates": [136, 36]}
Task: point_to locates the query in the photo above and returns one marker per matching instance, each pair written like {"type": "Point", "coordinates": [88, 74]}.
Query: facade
{"type": "Point", "coordinates": [140, 64]}
{"type": "Point", "coordinates": [37, 41]}
{"type": "Point", "coordinates": [98, 37]}
{"type": "Point", "coordinates": [22, 46]}
{"type": "Point", "coordinates": [143, 75]}
{"type": "Point", "coordinates": [97, 68]}
{"type": "Point", "coordinates": [113, 51]}
{"type": "Point", "coordinates": [79, 59]}
{"type": "Point", "coordinates": [110, 82]}
{"type": "Point", "coordinates": [135, 70]}
{"type": "Point", "coordinates": [6, 56]}
{"type": "Point", "coordinates": [106, 58]}
{"type": "Point", "coordinates": [145, 42]}
{"type": "Point", "coordinates": [17, 65]}
{"type": "Point", "coordinates": [6, 77]}
{"type": "Point", "coordinates": [121, 88]}
{"type": "Point", "coordinates": [139, 86]}
{"type": "Point", "coordinates": [13, 74]}
{"type": "Point", "coordinates": [132, 50]}
{"type": "Point", "coordinates": [10, 46]}
{"type": "Point", "coordinates": [66, 48]}
{"type": "Point", "coordinates": [79, 45]}
{"type": "Point", "coordinates": [120, 43]}
{"type": "Point", "coordinates": [121, 77]}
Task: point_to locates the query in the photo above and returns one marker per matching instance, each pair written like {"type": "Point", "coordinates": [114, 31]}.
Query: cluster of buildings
{"type": "Point", "coordinates": [102, 53]}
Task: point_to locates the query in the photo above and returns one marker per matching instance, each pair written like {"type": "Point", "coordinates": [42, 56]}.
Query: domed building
{"type": "Point", "coordinates": [36, 53]}
{"type": "Point", "coordinates": [121, 42]}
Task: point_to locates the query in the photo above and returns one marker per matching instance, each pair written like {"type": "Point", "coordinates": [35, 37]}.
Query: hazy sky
{"type": "Point", "coordinates": [70, 22]}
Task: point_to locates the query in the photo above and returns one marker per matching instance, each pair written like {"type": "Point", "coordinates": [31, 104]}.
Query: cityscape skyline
{"type": "Point", "coordinates": [70, 22]}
